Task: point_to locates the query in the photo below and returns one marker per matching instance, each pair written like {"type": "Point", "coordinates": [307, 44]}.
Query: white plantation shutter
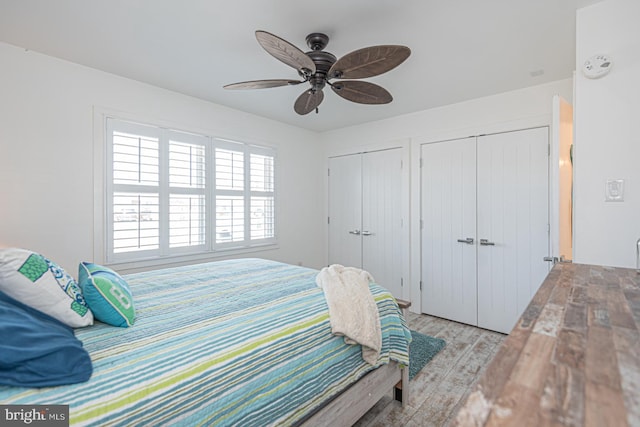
{"type": "Point", "coordinates": [135, 159]}
{"type": "Point", "coordinates": [174, 193]}
{"type": "Point", "coordinates": [229, 219]}
{"type": "Point", "coordinates": [244, 191]}
{"type": "Point", "coordinates": [187, 190]}
{"type": "Point", "coordinates": [132, 230]}
{"type": "Point", "coordinates": [262, 218]}
{"type": "Point", "coordinates": [135, 179]}
{"type": "Point", "coordinates": [262, 196]}
{"type": "Point", "coordinates": [230, 205]}
{"type": "Point", "coordinates": [230, 169]}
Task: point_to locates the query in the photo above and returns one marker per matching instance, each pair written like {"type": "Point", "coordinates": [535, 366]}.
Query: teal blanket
{"type": "Point", "coordinates": [243, 342]}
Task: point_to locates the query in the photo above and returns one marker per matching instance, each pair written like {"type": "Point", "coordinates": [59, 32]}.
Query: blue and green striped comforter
{"type": "Point", "coordinates": [240, 342]}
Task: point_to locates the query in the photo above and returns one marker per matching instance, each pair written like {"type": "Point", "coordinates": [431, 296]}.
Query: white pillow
{"type": "Point", "coordinates": [35, 281]}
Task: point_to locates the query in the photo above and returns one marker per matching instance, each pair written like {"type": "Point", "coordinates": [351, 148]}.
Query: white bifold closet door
{"type": "Point", "coordinates": [365, 214]}
{"type": "Point", "coordinates": [382, 218]}
{"type": "Point", "coordinates": [485, 227]}
{"type": "Point", "coordinates": [345, 210]}
{"type": "Point", "coordinates": [513, 218]}
{"type": "Point", "coordinates": [449, 230]}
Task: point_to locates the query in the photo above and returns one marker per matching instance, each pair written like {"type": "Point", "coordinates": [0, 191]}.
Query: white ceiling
{"type": "Point", "coordinates": [461, 49]}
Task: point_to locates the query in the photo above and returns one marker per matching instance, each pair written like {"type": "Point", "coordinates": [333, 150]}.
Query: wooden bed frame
{"type": "Point", "coordinates": [354, 402]}
{"type": "Point", "coordinates": [349, 406]}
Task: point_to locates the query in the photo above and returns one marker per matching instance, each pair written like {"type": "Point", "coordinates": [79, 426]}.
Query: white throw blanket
{"type": "Point", "coordinates": [353, 312]}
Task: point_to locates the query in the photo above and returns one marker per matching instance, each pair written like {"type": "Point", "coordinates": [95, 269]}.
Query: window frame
{"type": "Point", "coordinates": [211, 247]}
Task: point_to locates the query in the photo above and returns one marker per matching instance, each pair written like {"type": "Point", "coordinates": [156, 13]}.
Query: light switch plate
{"type": "Point", "coordinates": [614, 190]}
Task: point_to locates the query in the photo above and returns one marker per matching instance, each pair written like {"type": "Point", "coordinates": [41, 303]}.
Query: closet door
{"type": "Point", "coordinates": [345, 210]}
{"type": "Point", "coordinates": [513, 221]}
{"type": "Point", "coordinates": [382, 218]}
{"type": "Point", "coordinates": [365, 215]}
{"type": "Point", "coordinates": [448, 205]}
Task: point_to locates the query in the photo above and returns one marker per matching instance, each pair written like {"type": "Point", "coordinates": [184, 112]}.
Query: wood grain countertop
{"type": "Point", "coordinates": [573, 358]}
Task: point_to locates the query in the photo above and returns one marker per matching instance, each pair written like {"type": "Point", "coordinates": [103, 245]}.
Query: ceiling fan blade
{"type": "Point", "coordinates": [308, 101]}
{"type": "Point", "coordinates": [362, 92]}
{"type": "Point", "coordinates": [286, 52]}
{"type": "Point", "coordinates": [262, 84]}
{"type": "Point", "coordinates": [369, 61]}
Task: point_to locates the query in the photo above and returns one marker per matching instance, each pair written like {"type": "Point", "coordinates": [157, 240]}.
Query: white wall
{"type": "Point", "coordinates": [607, 135]}
{"type": "Point", "coordinates": [519, 109]}
{"type": "Point", "coordinates": [46, 156]}
{"type": "Point", "coordinates": [505, 111]}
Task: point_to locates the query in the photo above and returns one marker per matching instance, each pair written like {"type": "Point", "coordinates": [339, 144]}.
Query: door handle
{"type": "Point", "coordinates": [356, 232]}
{"type": "Point", "coordinates": [367, 233]}
{"type": "Point", "coordinates": [485, 242]}
{"type": "Point", "coordinates": [468, 240]}
{"type": "Point", "coordinates": [638, 256]}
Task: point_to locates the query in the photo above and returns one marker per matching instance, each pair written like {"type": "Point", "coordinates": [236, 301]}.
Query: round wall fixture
{"type": "Point", "coordinates": [597, 66]}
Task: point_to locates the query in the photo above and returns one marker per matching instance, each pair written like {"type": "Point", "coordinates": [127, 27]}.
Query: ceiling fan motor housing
{"type": "Point", "coordinates": [323, 61]}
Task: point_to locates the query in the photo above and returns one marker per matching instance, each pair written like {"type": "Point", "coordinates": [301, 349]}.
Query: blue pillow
{"type": "Point", "coordinates": [37, 350]}
{"type": "Point", "coordinates": [107, 294]}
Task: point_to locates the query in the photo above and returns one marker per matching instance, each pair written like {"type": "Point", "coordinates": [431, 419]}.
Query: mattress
{"type": "Point", "coordinates": [243, 342]}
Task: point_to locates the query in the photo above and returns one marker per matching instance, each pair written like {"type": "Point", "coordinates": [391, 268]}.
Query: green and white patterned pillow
{"type": "Point", "coordinates": [40, 283]}
{"type": "Point", "coordinates": [107, 294]}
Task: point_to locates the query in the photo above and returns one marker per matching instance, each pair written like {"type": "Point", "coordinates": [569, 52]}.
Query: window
{"type": "Point", "coordinates": [171, 193]}
{"type": "Point", "coordinates": [244, 193]}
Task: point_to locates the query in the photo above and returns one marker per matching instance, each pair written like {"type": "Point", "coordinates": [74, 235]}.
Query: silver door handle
{"type": "Point", "coordinates": [468, 240]}
{"type": "Point", "coordinates": [638, 256]}
{"type": "Point", "coordinates": [367, 233]}
{"type": "Point", "coordinates": [485, 242]}
{"type": "Point", "coordinates": [356, 232]}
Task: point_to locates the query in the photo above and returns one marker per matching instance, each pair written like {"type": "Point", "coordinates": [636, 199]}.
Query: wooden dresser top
{"type": "Point", "coordinates": [573, 358]}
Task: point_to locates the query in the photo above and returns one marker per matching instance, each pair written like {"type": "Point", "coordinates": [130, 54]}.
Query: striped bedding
{"type": "Point", "coordinates": [242, 342]}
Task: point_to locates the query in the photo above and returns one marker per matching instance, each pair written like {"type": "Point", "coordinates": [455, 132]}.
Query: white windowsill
{"type": "Point", "coordinates": [127, 267]}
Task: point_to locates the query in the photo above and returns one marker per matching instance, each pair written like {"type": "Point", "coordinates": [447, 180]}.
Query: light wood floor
{"type": "Point", "coordinates": [443, 384]}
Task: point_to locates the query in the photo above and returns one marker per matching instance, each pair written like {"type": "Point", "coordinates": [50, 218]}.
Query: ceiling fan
{"type": "Point", "coordinates": [319, 67]}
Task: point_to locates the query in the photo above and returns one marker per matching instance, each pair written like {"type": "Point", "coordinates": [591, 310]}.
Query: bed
{"type": "Point", "coordinates": [238, 342]}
